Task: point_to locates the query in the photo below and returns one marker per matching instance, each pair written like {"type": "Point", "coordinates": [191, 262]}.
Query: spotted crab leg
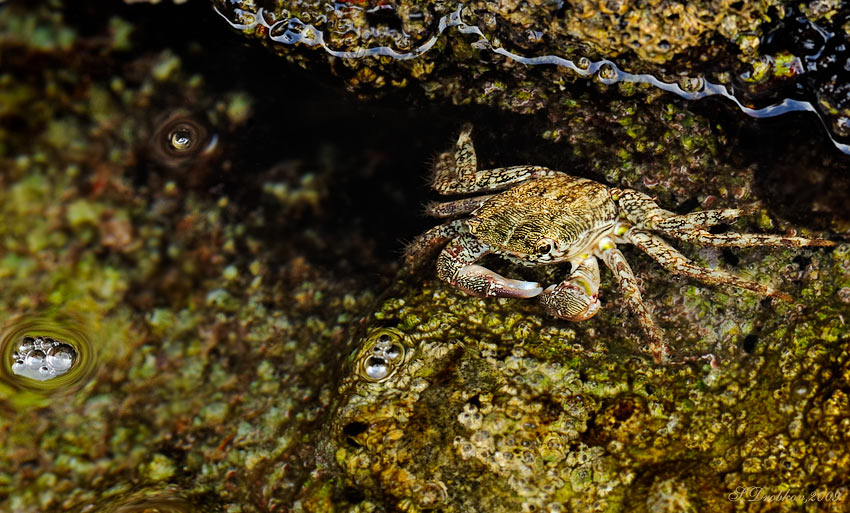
{"type": "Point", "coordinates": [457, 207]}
{"type": "Point", "coordinates": [641, 210]}
{"type": "Point", "coordinates": [678, 263]}
{"type": "Point", "coordinates": [577, 297]}
{"type": "Point", "coordinates": [745, 240]}
{"type": "Point", "coordinates": [456, 265]}
{"type": "Point", "coordinates": [425, 244]}
{"type": "Point", "coordinates": [458, 173]}
{"type": "Point", "coordinates": [616, 262]}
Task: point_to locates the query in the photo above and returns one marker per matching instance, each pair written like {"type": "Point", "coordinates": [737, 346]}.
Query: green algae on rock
{"type": "Point", "coordinates": [216, 351]}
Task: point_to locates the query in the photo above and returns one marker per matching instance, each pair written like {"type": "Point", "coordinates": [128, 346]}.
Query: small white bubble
{"type": "Point", "coordinates": [27, 345]}
{"type": "Point", "coordinates": [376, 368]}
{"type": "Point", "coordinates": [692, 84]}
{"type": "Point", "coordinates": [61, 358]}
{"type": "Point", "coordinates": [393, 352]}
{"type": "Point", "coordinates": [607, 73]}
{"type": "Point", "coordinates": [34, 358]}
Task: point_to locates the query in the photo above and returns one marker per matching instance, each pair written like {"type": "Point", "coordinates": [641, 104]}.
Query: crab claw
{"type": "Point", "coordinates": [577, 297]}
{"type": "Point", "coordinates": [480, 281]}
{"type": "Point", "coordinates": [570, 301]}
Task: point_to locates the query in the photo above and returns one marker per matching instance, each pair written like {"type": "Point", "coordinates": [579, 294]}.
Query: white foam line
{"type": "Point", "coordinates": [606, 71]}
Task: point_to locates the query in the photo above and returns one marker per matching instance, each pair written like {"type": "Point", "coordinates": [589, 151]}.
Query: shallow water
{"type": "Point", "coordinates": [217, 234]}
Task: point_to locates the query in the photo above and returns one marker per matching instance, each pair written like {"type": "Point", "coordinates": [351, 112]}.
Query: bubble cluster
{"type": "Point", "coordinates": [48, 355]}
{"type": "Point", "coordinates": [383, 352]}
{"type": "Point", "coordinates": [42, 358]}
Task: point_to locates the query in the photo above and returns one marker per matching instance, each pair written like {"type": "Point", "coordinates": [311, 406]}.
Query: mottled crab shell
{"type": "Point", "coordinates": [565, 209]}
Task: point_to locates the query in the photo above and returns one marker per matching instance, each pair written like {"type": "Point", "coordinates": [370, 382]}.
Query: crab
{"type": "Point", "coordinates": [534, 215]}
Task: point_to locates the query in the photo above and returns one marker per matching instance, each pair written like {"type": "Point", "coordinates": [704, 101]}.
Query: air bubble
{"type": "Point", "coordinates": [381, 355]}
{"type": "Point", "coordinates": [34, 358]}
{"type": "Point", "coordinates": [393, 352]}
{"type": "Point", "coordinates": [607, 73]}
{"type": "Point", "coordinates": [692, 84]}
{"type": "Point", "coordinates": [583, 63]}
{"type": "Point", "coordinates": [46, 355]}
{"type": "Point", "coordinates": [181, 139]}
{"type": "Point", "coordinates": [841, 126]}
{"type": "Point", "coordinates": [27, 344]}
{"type": "Point", "coordinates": [376, 368]}
{"type": "Point", "coordinates": [61, 358]}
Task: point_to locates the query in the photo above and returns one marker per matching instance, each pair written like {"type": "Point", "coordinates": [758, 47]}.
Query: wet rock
{"type": "Point", "coordinates": [497, 407]}
{"type": "Point", "coordinates": [767, 58]}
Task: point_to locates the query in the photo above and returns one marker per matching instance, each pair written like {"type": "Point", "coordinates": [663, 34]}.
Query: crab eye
{"type": "Point", "coordinates": [544, 246]}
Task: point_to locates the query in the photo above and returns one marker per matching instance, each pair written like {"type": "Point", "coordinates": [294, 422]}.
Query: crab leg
{"type": "Point", "coordinates": [678, 263]}
{"type": "Point", "coordinates": [645, 213]}
{"type": "Point", "coordinates": [457, 207]}
{"type": "Point", "coordinates": [458, 173]}
{"type": "Point", "coordinates": [616, 262]}
{"type": "Point", "coordinates": [745, 240]}
{"type": "Point", "coordinates": [642, 210]}
{"type": "Point", "coordinates": [423, 245]}
{"type": "Point", "coordinates": [456, 265]}
{"type": "Point", "coordinates": [577, 297]}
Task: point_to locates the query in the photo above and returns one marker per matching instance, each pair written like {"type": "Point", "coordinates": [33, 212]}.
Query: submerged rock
{"type": "Point", "coordinates": [497, 407]}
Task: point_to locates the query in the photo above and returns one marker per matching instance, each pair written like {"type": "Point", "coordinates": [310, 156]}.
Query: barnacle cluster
{"type": "Point", "coordinates": [658, 31]}
{"type": "Point", "coordinates": [653, 32]}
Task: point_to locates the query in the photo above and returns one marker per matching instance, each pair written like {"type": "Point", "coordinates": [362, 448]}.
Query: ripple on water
{"type": "Point", "coordinates": [168, 500]}
{"type": "Point", "coordinates": [48, 355]}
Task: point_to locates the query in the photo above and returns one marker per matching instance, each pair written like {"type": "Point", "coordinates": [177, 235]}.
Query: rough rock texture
{"type": "Point", "coordinates": [497, 407]}
{"type": "Point", "coordinates": [524, 56]}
